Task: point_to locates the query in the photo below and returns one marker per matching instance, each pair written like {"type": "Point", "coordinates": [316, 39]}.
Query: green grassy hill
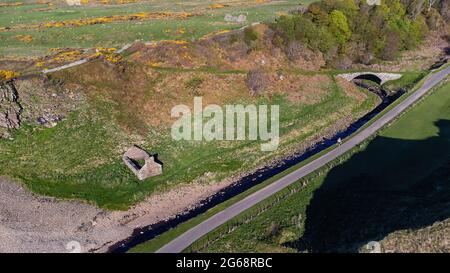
{"type": "Point", "coordinates": [205, 19]}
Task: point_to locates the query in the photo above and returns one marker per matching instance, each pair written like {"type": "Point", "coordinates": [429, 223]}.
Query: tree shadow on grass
{"type": "Point", "coordinates": [394, 184]}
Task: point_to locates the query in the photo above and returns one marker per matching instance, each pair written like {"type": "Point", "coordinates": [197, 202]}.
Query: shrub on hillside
{"type": "Point", "coordinates": [444, 9]}
{"type": "Point", "coordinates": [256, 81]}
{"type": "Point", "coordinates": [296, 50]}
{"type": "Point", "coordinates": [193, 85]}
{"type": "Point", "coordinates": [250, 36]}
{"type": "Point", "coordinates": [273, 230]}
{"type": "Point", "coordinates": [6, 75]}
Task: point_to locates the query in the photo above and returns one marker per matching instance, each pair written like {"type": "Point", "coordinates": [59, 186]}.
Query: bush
{"type": "Point", "coordinates": [193, 85]}
{"type": "Point", "coordinates": [256, 82]}
{"type": "Point", "coordinates": [434, 19]}
{"type": "Point", "coordinates": [7, 75]}
{"type": "Point", "coordinates": [339, 27]}
{"type": "Point", "coordinates": [296, 50]}
{"type": "Point", "coordinates": [273, 230]}
{"type": "Point", "coordinates": [250, 36]}
{"type": "Point", "coordinates": [342, 62]}
{"type": "Point", "coordinates": [234, 38]}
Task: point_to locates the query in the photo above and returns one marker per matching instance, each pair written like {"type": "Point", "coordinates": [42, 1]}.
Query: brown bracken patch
{"type": "Point", "coordinates": [304, 89]}
{"type": "Point", "coordinates": [351, 89]}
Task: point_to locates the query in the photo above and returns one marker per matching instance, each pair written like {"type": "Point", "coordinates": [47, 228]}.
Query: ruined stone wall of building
{"type": "Point", "coordinates": [149, 169]}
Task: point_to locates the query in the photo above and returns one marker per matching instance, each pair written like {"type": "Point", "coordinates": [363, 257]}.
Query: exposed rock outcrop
{"type": "Point", "coordinates": [10, 108]}
{"type": "Point", "coordinates": [256, 81]}
{"type": "Point", "coordinates": [445, 9]}
{"type": "Point", "coordinates": [47, 101]}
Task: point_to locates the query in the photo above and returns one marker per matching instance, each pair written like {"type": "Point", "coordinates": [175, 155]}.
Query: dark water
{"type": "Point", "coordinates": [147, 233]}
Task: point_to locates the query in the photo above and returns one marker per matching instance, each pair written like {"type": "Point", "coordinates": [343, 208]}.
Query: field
{"type": "Point", "coordinates": [411, 81]}
{"type": "Point", "coordinates": [32, 29]}
{"type": "Point", "coordinates": [81, 157]}
{"type": "Point", "coordinates": [103, 107]}
{"type": "Point", "coordinates": [396, 181]}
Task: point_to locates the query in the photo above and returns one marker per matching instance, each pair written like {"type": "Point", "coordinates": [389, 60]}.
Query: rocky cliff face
{"type": "Point", "coordinates": [445, 9]}
{"type": "Point", "coordinates": [10, 108]}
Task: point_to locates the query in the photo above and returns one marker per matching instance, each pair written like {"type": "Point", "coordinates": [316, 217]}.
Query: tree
{"type": "Point", "coordinates": [285, 26]}
{"type": "Point", "coordinates": [431, 3]}
{"type": "Point", "coordinates": [317, 14]}
{"type": "Point", "coordinates": [349, 8]}
{"type": "Point", "coordinates": [415, 8]}
{"type": "Point", "coordinates": [417, 30]}
{"type": "Point", "coordinates": [339, 26]}
{"type": "Point", "coordinates": [325, 40]}
{"type": "Point", "coordinates": [305, 30]}
{"type": "Point", "coordinates": [392, 46]}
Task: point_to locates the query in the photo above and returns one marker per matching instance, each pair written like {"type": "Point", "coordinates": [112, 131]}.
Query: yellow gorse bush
{"type": "Point", "coordinates": [8, 75]}
{"type": "Point", "coordinates": [25, 38]}
{"type": "Point", "coordinates": [141, 16]}
{"type": "Point", "coordinates": [108, 54]}
{"type": "Point", "coordinates": [218, 32]}
{"type": "Point", "coordinates": [108, 2]}
{"type": "Point", "coordinates": [117, 18]}
{"type": "Point", "coordinates": [40, 64]}
{"type": "Point", "coordinates": [175, 42]}
{"type": "Point", "coordinates": [156, 64]}
{"type": "Point", "coordinates": [11, 4]}
{"type": "Point", "coordinates": [181, 31]}
{"type": "Point", "coordinates": [217, 6]}
{"type": "Point", "coordinates": [126, 1]}
{"type": "Point", "coordinates": [66, 56]}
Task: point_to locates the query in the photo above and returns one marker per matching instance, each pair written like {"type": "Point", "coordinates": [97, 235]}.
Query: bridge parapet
{"type": "Point", "coordinates": [383, 77]}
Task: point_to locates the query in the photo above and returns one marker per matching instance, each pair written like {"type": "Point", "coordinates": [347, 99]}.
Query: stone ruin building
{"type": "Point", "coordinates": [150, 167]}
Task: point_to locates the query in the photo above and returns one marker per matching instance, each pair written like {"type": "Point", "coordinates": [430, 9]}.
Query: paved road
{"type": "Point", "coordinates": [59, 68]}
{"type": "Point", "coordinates": [190, 236]}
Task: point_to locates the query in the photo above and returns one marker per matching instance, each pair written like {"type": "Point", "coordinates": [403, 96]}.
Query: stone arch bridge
{"type": "Point", "coordinates": [377, 77]}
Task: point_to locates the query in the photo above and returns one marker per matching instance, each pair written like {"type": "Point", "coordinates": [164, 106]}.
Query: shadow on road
{"type": "Point", "coordinates": [394, 184]}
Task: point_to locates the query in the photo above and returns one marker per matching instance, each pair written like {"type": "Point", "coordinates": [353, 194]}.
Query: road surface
{"type": "Point", "coordinates": [190, 236]}
{"type": "Point", "coordinates": [59, 68]}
